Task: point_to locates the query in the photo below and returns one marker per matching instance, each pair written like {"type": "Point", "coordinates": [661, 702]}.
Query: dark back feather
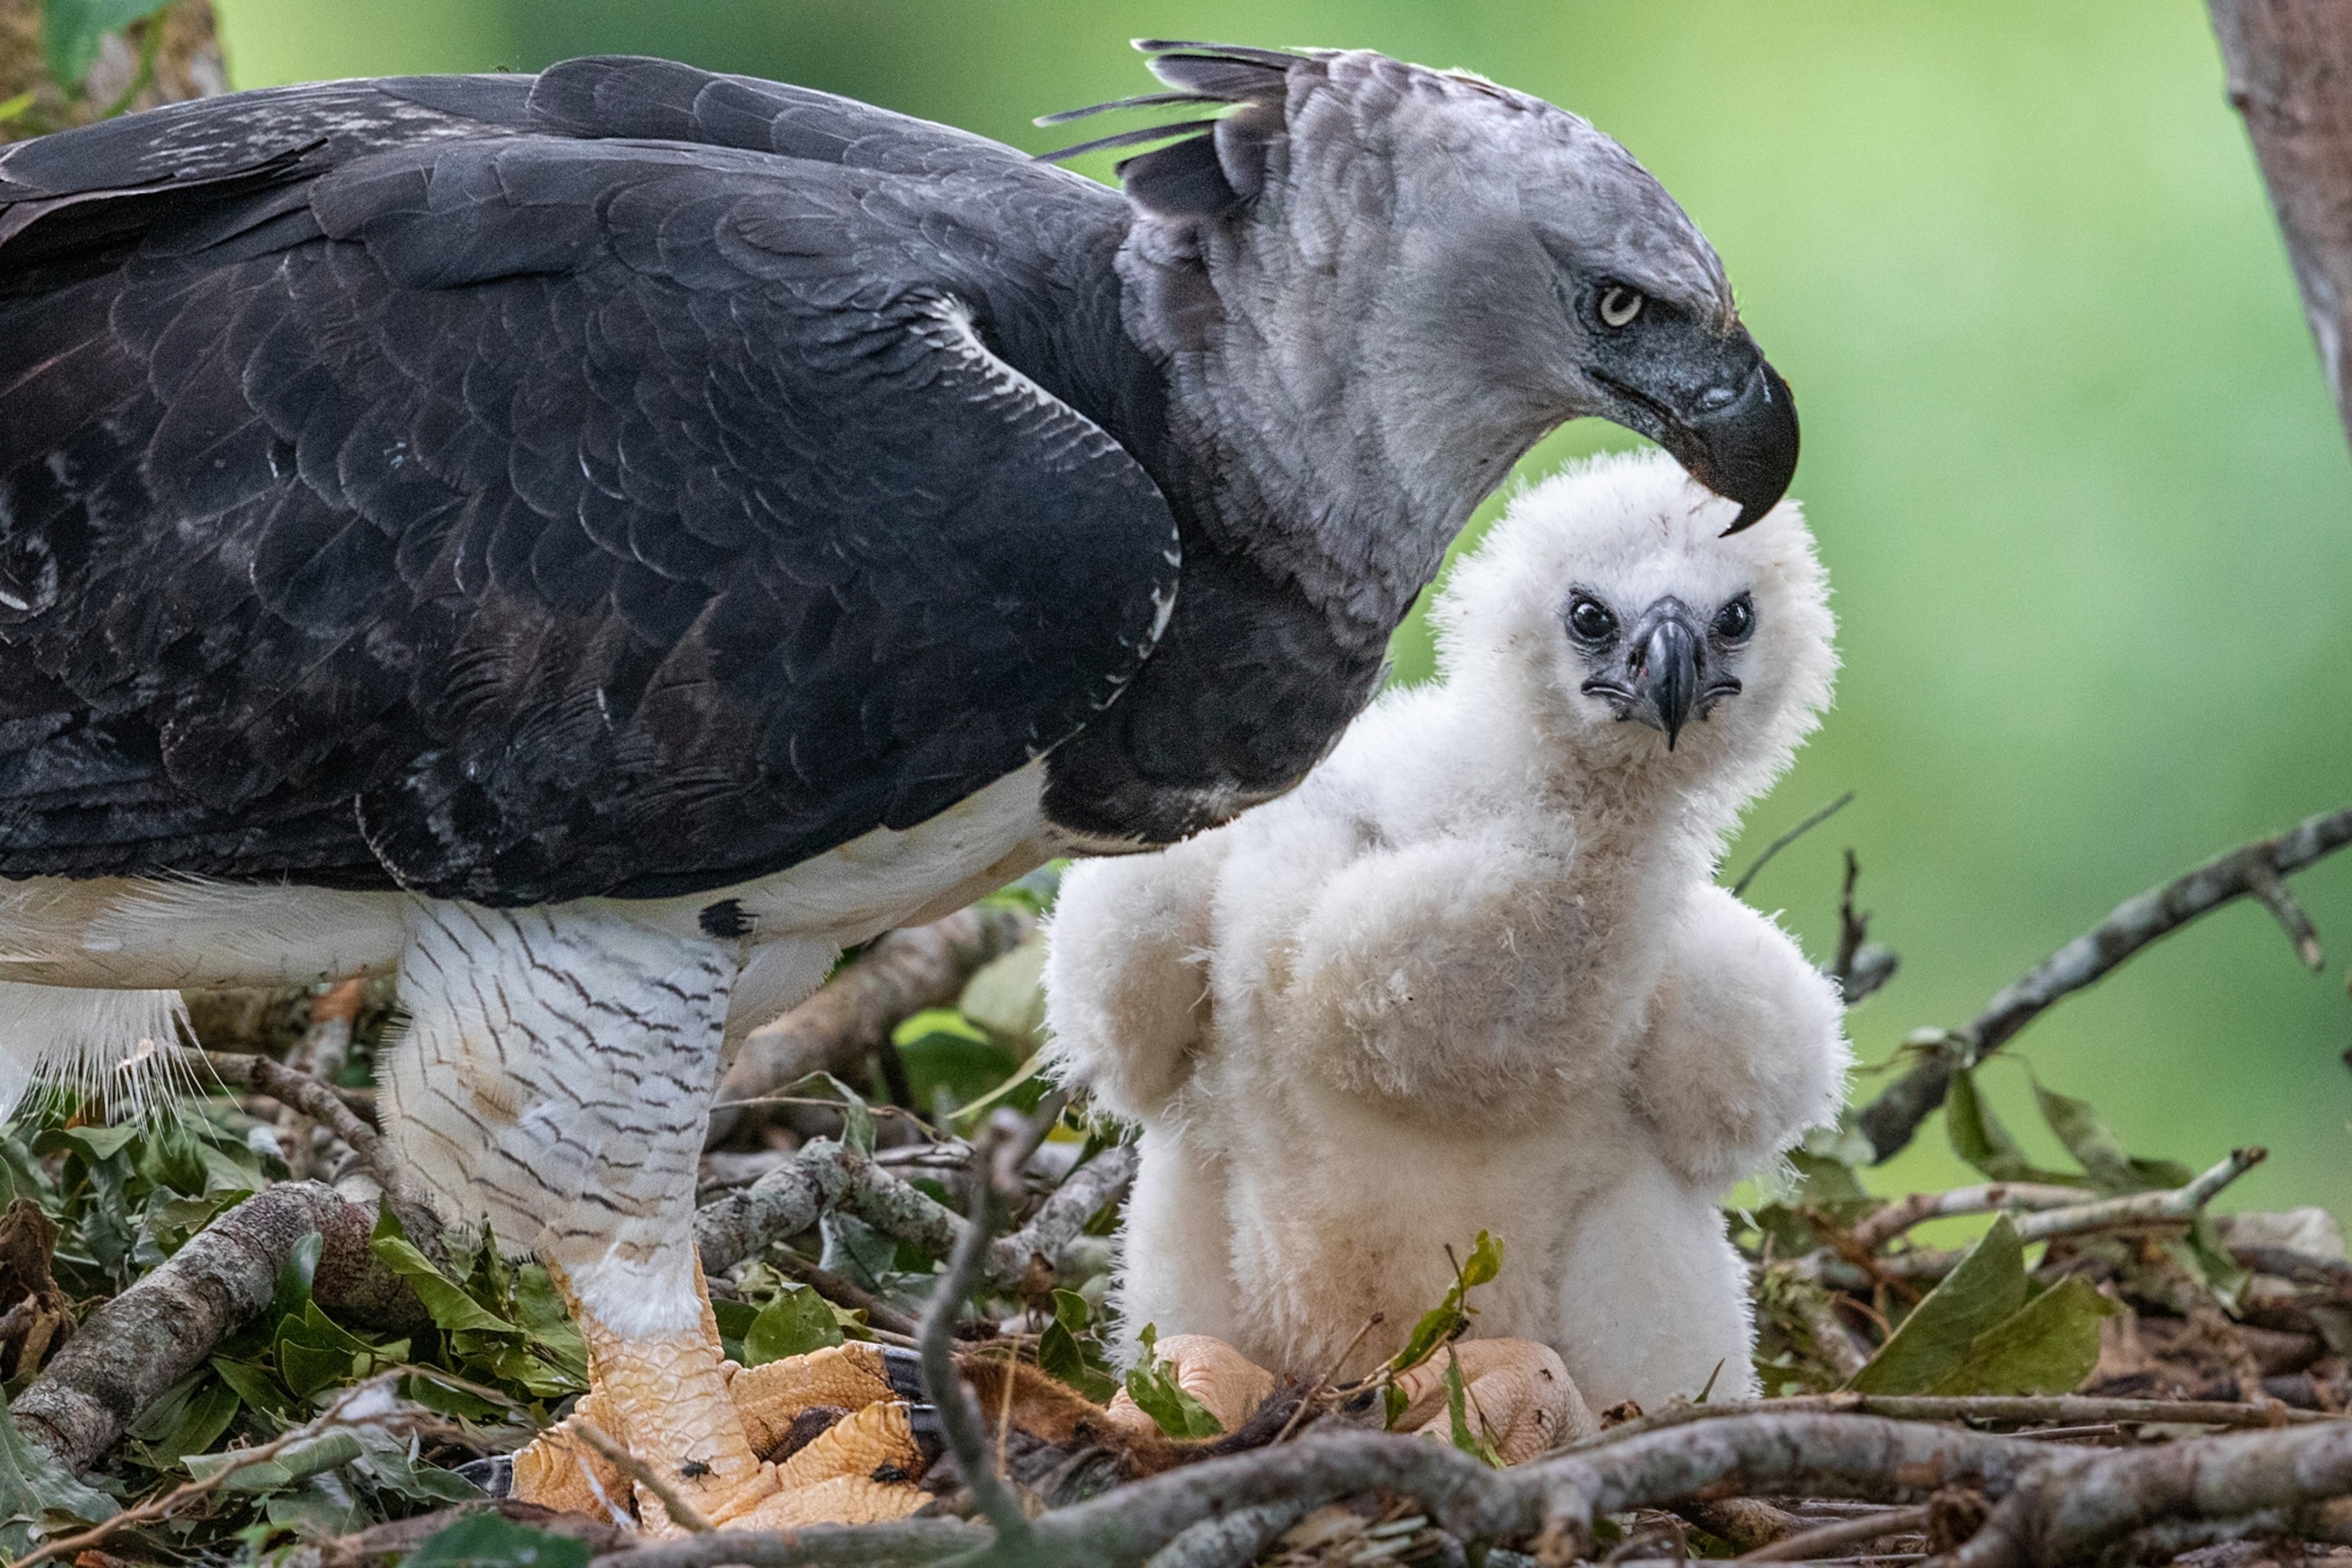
{"type": "Point", "coordinates": [1213, 165]}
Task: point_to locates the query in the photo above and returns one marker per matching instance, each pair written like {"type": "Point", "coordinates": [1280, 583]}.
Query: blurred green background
{"type": "Point", "coordinates": [2067, 450]}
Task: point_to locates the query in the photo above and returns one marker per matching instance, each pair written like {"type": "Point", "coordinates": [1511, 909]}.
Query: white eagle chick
{"type": "Point", "coordinates": [1475, 974]}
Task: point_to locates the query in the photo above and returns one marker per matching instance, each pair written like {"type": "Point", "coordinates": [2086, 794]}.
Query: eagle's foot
{"type": "Point", "coordinates": [827, 1438]}
{"type": "Point", "coordinates": [1516, 1393]}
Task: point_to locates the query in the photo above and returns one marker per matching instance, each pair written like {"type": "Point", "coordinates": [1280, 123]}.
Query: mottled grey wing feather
{"type": "Point", "coordinates": [452, 495]}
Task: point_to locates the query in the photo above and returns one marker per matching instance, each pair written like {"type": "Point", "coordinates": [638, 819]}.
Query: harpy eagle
{"type": "Point", "coordinates": [1475, 974]}
{"type": "Point", "coordinates": [596, 543]}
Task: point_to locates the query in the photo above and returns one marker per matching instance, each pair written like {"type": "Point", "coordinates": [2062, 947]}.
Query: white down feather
{"type": "Point", "coordinates": [1474, 974]}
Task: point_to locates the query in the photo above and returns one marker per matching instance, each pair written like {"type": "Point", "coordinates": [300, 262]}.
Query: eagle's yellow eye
{"type": "Point", "coordinates": [1618, 306]}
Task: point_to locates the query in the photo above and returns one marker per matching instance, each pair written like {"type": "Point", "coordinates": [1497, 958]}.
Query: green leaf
{"type": "Point", "coordinates": [11, 108]}
{"type": "Point", "coordinates": [256, 1386]}
{"type": "Point", "coordinates": [95, 1144]}
{"type": "Point", "coordinates": [1987, 1286]}
{"type": "Point", "coordinates": [34, 1489]}
{"type": "Point", "coordinates": [1072, 1311]}
{"type": "Point", "coordinates": [1458, 1416]}
{"type": "Point", "coordinates": [2099, 1151]}
{"type": "Point", "coordinates": [1979, 1138]}
{"type": "Point", "coordinates": [1157, 1393]}
{"type": "Point", "coordinates": [450, 1307]}
{"type": "Point", "coordinates": [283, 1469]}
{"type": "Point", "coordinates": [795, 1322]}
{"type": "Point", "coordinates": [2047, 1346]}
{"type": "Point", "coordinates": [486, 1541]}
{"type": "Point", "coordinates": [1449, 1320]}
{"type": "Point", "coordinates": [960, 1060]}
{"type": "Point", "coordinates": [1485, 1261]}
{"type": "Point", "coordinates": [1006, 997]}
{"type": "Point", "coordinates": [189, 1418]}
{"type": "Point", "coordinates": [735, 1319]}
{"type": "Point", "coordinates": [72, 29]}
{"type": "Point", "coordinates": [1392, 1405]}
{"type": "Point", "coordinates": [857, 1121]}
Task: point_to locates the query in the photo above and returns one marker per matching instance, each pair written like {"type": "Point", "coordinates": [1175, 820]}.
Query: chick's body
{"type": "Point", "coordinates": [1474, 974]}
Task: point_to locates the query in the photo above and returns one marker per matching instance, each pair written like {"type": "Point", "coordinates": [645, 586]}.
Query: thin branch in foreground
{"type": "Point", "coordinates": [960, 1420]}
{"type": "Point", "coordinates": [1890, 1121]}
{"type": "Point", "coordinates": [2082, 1502]}
{"type": "Point", "coordinates": [682, 1513]}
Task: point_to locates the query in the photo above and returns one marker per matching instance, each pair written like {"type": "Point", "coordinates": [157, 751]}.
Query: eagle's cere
{"type": "Point", "coordinates": [1476, 973]}
{"type": "Point", "coordinates": [596, 543]}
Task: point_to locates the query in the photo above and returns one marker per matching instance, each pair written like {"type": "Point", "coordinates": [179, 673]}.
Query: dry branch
{"type": "Point", "coordinates": [1876, 1230]}
{"type": "Point", "coordinates": [966, 1429]}
{"type": "Point", "coordinates": [1889, 1121]}
{"type": "Point", "coordinates": [853, 1014]}
{"type": "Point", "coordinates": [297, 1090]}
{"type": "Point", "coordinates": [825, 1176]}
{"type": "Point", "coordinates": [138, 1345]}
{"type": "Point", "coordinates": [2082, 1502]}
{"type": "Point", "coordinates": [2054, 1409]}
{"type": "Point", "coordinates": [2290, 74]}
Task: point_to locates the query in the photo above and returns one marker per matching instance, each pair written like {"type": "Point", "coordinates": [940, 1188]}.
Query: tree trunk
{"type": "Point", "coordinates": [2290, 71]}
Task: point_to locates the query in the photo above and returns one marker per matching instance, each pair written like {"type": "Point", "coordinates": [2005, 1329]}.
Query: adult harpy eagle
{"type": "Point", "coordinates": [598, 542]}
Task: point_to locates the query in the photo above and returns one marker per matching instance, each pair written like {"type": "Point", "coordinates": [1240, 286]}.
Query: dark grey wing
{"type": "Point", "coordinates": [521, 517]}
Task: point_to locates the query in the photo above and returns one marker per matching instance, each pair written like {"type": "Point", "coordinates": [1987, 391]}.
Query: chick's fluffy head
{"type": "Point", "coordinates": [1632, 530]}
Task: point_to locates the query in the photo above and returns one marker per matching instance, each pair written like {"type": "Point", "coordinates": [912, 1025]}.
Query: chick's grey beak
{"type": "Point", "coordinates": [1741, 442]}
{"type": "Point", "coordinates": [1664, 668]}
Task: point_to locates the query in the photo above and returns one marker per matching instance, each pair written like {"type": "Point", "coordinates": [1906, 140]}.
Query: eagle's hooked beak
{"type": "Point", "coordinates": [1742, 444]}
{"type": "Point", "coordinates": [1670, 673]}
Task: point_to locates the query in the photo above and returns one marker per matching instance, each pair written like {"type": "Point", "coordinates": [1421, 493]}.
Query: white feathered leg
{"type": "Point", "coordinates": [1654, 1295]}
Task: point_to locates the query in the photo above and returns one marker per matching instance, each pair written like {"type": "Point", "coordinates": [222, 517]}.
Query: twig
{"type": "Point", "coordinates": [314, 1099]}
{"type": "Point", "coordinates": [1830, 1540]}
{"type": "Point", "coordinates": [1890, 1121]}
{"type": "Point", "coordinates": [2069, 1409]}
{"type": "Point", "coordinates": [2141, 1208]}
{"type": "Point", "coordinates": [682, 1513]}
{"type": "Point", "coordinates": [1878, 1230]}
{"type": "Point", "coordinates": [1315, 1390]}
{"type": "Point", "coordinates": [2082, 1501]}
{"type": "Point", "coordinates": [2332, 1274]}
{"type": "Point", "coordinates": [959, 1416]}
{"type": "Point", "coordinates": [1829, 1333]}
{"type": "Point", "coordinates": [1028, 1260]}
{"type": "Point", "coordinates": [374, 1397]}
{"type": "Point", "coordinates": [1823, 815]}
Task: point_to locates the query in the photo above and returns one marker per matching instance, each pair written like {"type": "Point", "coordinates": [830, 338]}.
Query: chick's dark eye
{"type": "Point", "coordinates": [1736, 619]}
{"type": "Point", "coordinates": [1619, 305]}
{"type": "Point", "coordinates": [1588, 620]}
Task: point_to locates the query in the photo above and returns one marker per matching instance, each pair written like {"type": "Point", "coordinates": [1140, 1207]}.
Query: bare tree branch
{"type": "Point", "coordinates": [2082, 1501]}
{"type": "Point", "coordinates": [1889, 1121]}
{"type": "Point", "coordinates": [2052, 1409]}
{"type": "Point", "coordinates": [138, 1345]}
{"type": "Point", "coordinates": [2288, 63]}
{"type": "Point", "coordinates": [959, 1416]}
{"type": "Point", "coordinates": [1876, 1230]}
